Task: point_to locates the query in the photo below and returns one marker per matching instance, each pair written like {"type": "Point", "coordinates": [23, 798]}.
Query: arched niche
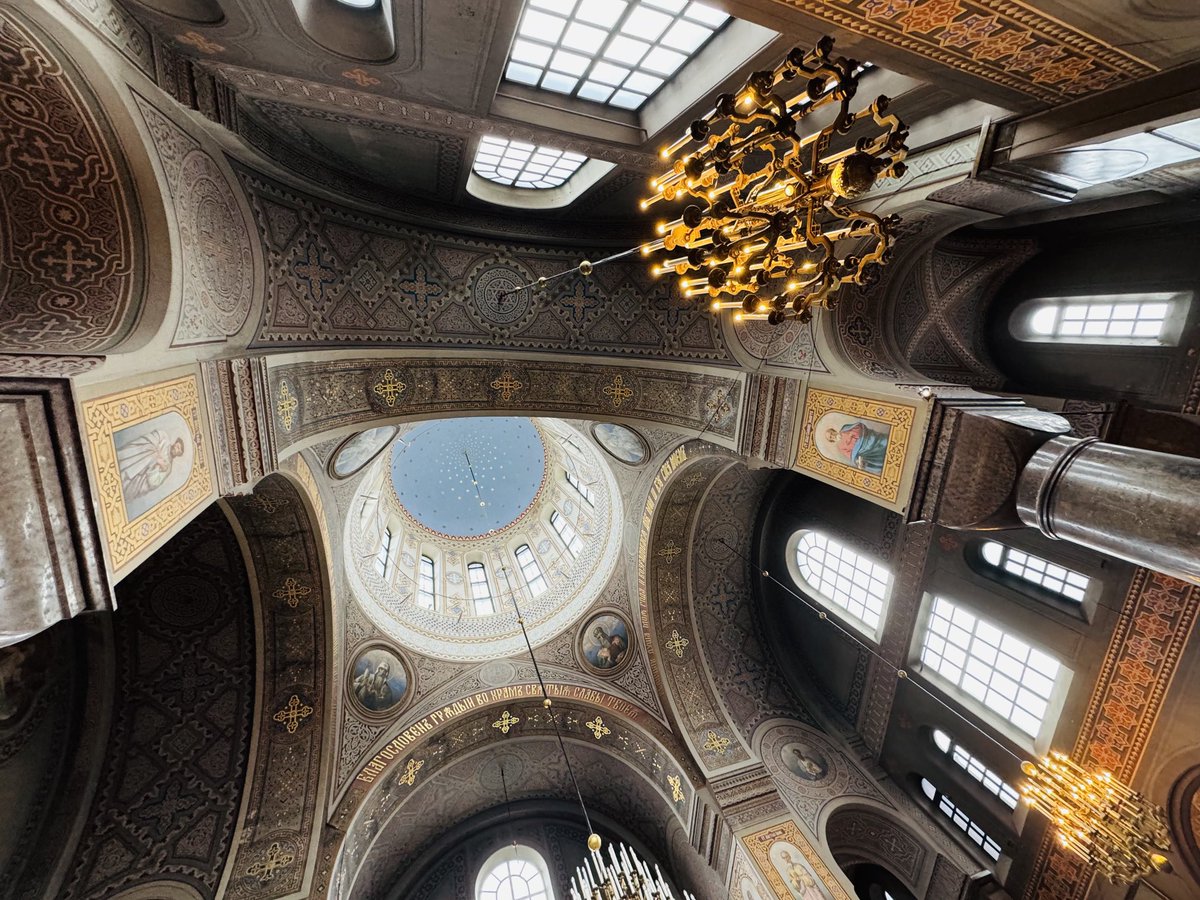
{"type": "Point", "coordinates": [358, 30]}
{"type": "Point", "coordinates": [875, 849]}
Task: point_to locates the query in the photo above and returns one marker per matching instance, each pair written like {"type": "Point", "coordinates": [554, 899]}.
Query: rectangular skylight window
{"type": "Point", "coordinates": [616, 52]}
{"type": "Point", "coordinates": [523, 165]}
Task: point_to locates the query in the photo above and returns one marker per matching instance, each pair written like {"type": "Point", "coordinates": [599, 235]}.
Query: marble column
{"type": "Point", "coordinates": [1135, 504]}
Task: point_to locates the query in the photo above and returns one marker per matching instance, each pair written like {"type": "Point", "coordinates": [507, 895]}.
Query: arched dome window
{"type": "Point", "coordinates": [582, 489]}
{"type": "Point", "coordinates": [1041, 573]}
{"type": "Point", "coordinates": [976, 769]}
{"type": "Point", "coordinates": [854, 584]}
{"type": "Point", "coordinates": [1154, 319]}
{"type": "Point", "coordinates": [963, 822]}
{"type": "Point", "coordinates": [481, 591]}
{"type": "Point", "coordinates": [531, 570]}
{"type": "Point", "coordinates": [427, 584]}
{"type": "Point", "coordinates": [565, 531]}
{"type": "Point", "coordinates": [383, 557]}
{"type": "Point", "coordinates": [995, 669]}
{"type": "Point", "coordinates": [517, 872]}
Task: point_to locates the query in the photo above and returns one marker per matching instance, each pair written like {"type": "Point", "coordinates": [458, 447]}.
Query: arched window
{"type": "Point", "coordinates": [383, 557]}
{"type": "Point", "coordinates": [531, 570]}
{"type": "Point", "coordinates": [855, 584]}
{"type": "Point", "coordinates": [977, 770]}
{"type": "Point", "coordinates": [426, 582]}
{"type": "Point", "coordinates": [583, 490]}
{"type": "Point", "coordinates": [961, 819]}
{"type": "Point", "coordinates": [481, 592]}
{"type": "Point", "coordinates": [566, 532]}
{"type": "Point", "coordinates": [516, 872]}
{"type": "Point", "coordinates": [997, 669]}
{"type": "Point", "coordinates": [1127, 319]}
{"type": "Point", "coordinates": [1039, 572]}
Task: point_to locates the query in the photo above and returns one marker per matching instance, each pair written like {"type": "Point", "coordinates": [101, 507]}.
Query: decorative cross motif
{"type": "Point", "coordinates": [200, 42]}
{"type": "Point", "coordinates": [360, 77]}
{"type": "Point", "coordinates": [718, 407]}
{"type": "Point", "coordinates": [421, 288]}
{"type": "Point", "coordinates": [286, 405]}
{"type": "Point", "coordinates": [269, 504]}
{"type": "Point", "coordinates": [69, 261]}
{"type": "Point", "coordinates": [314, 273]}
{"type": "Point", "coordinates": [51, 165]}
{"type": "Point", "coordinates": [389, 388]}
{"type": "Point", "coordinates": [276, 858]}
{"type": "Point", "coordinates": [694, 479]}
{"type": "Point", "coordinates": [507, 385]}
{"type": "Point", "coordinates": [676, 643]}
{"type": "Point", "coordinates": [618, 392]}
{"type": "Point", "coordinates": [669, 550]}
{"type": "Point", "coordinates": [292, 591]}
{"type": "Point", "coordinates": [598, 728]}
{"type": "Point", "coordinates": [716, 744]}
{"type": "Point", "coordinates": [293, 714]}
{"type": "Point", "coordinates": [410, 772]}
{"type": "Point", "coordinates": [506, 722]}
{"type": "Point", "coordinates": [676, 788]}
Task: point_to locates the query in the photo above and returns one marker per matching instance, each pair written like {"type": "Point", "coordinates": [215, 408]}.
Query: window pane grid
{"type": "Point", "coordinates": [567, 533]}
{"type": "Point", "coordinates": [583, 490]}
{"type": "Point", "coordinates": [1037, 571]}
{"type": "Point", "coordinates": [383, 557]}
{"type": "Point", "coordinates": [515, 879]}
{"type": "Point", "coordinates": [616, 52]}
{"type": "Point", "coordinates": [523, 165]}
{"type": "Point", "coordinates": [976, 769]}
{"type": "Point", "coordinates": [961, 820]}
{"type": "Point", "coordinates": [426, 595]}
{"type": "Point", "coordinates": [1116, 318]}
{"type": "Point", "coordinates": [481, 592]}
{"type": "Point", "coordinates": [1001, 671]}
{"type": "Point", "coordinates": [852, 582]}
{"type": "Point", "coordinates": [531, 570]}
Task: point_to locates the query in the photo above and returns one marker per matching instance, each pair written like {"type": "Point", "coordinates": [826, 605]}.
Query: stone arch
{"type": "Point", "coordinates": [860, 832]}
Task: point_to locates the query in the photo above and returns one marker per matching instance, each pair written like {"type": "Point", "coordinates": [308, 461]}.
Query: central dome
{"type": "Point", "coordinates": [467, 478]}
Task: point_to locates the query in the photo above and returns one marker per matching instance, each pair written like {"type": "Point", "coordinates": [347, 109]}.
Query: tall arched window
{"type": "Point", "coordinates": [1126, 319]}
{"type": "Point", "coordinates": [855, 584]}
{"type": "Point", "coordinates": [1067, 583]}
{"type": "Point", "coordinates": [481, 591]}
{"type": "Point", "coordinates": [583, 490]}
{"type": "Point", "coordinates": [977, 770]}
{"type": "Point", "coordinates": [426, 584]}
{"type": "Point", "coordinates": [516, 872]}
{"type": "Point", "coordinates": [531, 570]}
{"type": "Point", "coordinates": [566, 532]}
{"type": "Point", "coordinates": [383, 556]}
{"type": "Point", "coordinates": [999, 670]}
{"type": "Point", "coordinates": [961, 819]}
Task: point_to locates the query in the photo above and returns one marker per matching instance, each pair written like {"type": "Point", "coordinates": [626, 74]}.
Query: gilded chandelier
{"type": "Point", "coordinates": [770, 226]}
{"type": "Point", "coordinates": [624, 877]}
{"type": "Point", "coordinates": [1097, 818]}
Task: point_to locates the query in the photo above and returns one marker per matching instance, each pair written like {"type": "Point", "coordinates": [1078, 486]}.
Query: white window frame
{"type": "Point", "coordinates": [481, 591]}
{"type": "Point", "coordinates": [531, 570]}
{"type": "Point", "coordinates": [519, 854]}
{"type": "Point", "coordinates": [973, 832]}
{"type": "Point", "coordinates": [993, 783]}
{"type": "Point", "coordinates": [1035, 571]}
{"type": "Point", "coordinates": [955, 637]}
{"type": "Point", "coordinates": [852, 576]}
{"type": "Point", "coordinates": [580, 488]}
{"type": "Point", "coordinates": [1100, 319]}
{"type": "Point", "coordinates": [426, 582]}
{"type": "Point", "coordinates": [383, 555]}
{"type": "Point", "coordinates": [566, 532]}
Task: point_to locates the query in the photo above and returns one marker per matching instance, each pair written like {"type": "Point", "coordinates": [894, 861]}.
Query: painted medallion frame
{"type": "Point", "coordinates": [603, 433]}
{"type": "Point", "coordinates": [593, 652]}
{"type": "Point", "coordinates": [335, 457]}
{"type": "Point", "coordinates": [365, 698]}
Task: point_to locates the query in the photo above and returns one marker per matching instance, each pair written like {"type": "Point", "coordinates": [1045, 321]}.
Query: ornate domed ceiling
{"type": "Point", "coordinates": [466, 520]}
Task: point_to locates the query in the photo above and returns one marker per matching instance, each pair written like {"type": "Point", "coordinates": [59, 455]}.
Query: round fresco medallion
{"type": "Point", "coordinates": [498, 297]}
{"type": "Point", "coordinates": [622, 443]}
{"type": "Point", "coordinates": [359, 449]}
{"type": "Point", "coordinates": [378, 682]}
{"type": "Point", "coordinates": [604, 643]}
{"type": "Point", "coordinates": [805, 761]}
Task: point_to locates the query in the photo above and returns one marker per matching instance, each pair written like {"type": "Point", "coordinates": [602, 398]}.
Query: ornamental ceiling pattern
{"type": "Point", "coordinates": [336, 276]}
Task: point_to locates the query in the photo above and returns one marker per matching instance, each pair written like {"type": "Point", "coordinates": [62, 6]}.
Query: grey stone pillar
{"type": "Point", "coordinates": [1136, 504]}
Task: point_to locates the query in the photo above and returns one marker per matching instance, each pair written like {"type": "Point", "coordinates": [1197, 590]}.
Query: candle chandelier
{"type": "Point", "coordinates": [623, 877]}
{"type": "Point", "coordinates": [1097, 818]}
{"type": "Point", "coordinates": [769, 225]}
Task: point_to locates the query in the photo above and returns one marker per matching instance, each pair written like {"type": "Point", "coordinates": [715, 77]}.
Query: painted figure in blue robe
{"type": "Point", "coordinates": [864, 447]}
